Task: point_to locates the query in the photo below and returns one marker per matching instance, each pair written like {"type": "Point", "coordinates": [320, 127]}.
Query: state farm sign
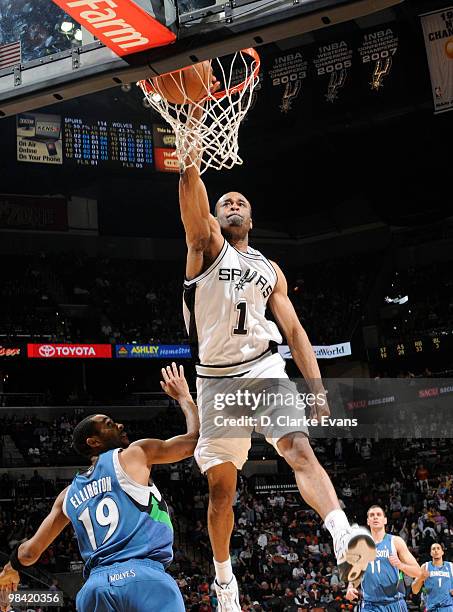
{"type": "Point", "coordinates": [69, 351]}
{"type": "Point", "coordinates": [122, 25]}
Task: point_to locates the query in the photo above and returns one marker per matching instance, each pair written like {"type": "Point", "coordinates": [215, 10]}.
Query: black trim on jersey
{"type": "Point", "coordinates": [271, 267]}
{"type": "Point", "coordinates": [226, 376]}
{"type": "Point", "coordinates": [247, 255]}
{"type": "Point", "coordinates": [218, 259]}
{"type": "Point", "coordinates": [231, 365]}
{"type": "Point", "coordinates": [189, 301]}
{"type": "Point", "coordinates": [260, 257]}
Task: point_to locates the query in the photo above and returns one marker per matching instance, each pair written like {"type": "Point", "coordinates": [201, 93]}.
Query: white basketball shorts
{"type": "Point", "coordinates": [231, 406]}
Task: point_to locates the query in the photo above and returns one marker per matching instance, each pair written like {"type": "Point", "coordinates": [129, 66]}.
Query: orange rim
{"type": "Point", "coordinates": [147, 83]}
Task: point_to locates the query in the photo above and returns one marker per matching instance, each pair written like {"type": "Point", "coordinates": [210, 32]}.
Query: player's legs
{"type": "Point", "coordinates": [312, 480]}
{"type": "Point", "coordinates": [222, 489]}
{"type": "Point", "coordinates": [354, 546]}
{"type": "Point", "coordinates": [222, 481]}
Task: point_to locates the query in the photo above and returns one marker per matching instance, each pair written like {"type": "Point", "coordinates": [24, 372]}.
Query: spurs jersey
{"type": "Point", "coordinates": [225, 306]}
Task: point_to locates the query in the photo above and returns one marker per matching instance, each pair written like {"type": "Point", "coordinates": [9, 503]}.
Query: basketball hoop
{"type": "Point", "coordinates": [207, 130]}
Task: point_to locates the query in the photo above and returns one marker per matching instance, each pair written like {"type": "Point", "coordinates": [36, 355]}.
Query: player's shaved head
{"type": "Point", "coordinates": [96, 434]}
{"type": "Point", "coordinates": [234, 214]}
{"type": "Point", "coordinates": [232, 195]}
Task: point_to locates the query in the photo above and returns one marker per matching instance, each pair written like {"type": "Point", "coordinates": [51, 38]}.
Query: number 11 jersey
{"type": "Point", "coordinates": [382, 583]}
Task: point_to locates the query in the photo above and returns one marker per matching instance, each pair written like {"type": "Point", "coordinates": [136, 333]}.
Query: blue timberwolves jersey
{"type": "Point", "coordinates": [381, 582]}
{"type": "Point", "coordinates": [438, 586]}
{"type": "Point", "coordinates": [116, 519]}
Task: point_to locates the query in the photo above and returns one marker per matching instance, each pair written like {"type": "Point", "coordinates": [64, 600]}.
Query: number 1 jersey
{"type": "Point", "coordinates": [116, 519]}
{"type": "Point", "coordinates": [225, 308]}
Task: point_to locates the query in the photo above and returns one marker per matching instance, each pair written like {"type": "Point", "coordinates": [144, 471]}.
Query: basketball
{"type": "Point", "coordinates": [449, 48]}
{"type": "Point", "coordinates": [183, 86]}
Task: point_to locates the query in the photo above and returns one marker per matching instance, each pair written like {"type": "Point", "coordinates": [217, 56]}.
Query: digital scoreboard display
{"type": "Point", "coordinates": [416, 346]}
{"type": "Point", "coordinates": [106, 143]}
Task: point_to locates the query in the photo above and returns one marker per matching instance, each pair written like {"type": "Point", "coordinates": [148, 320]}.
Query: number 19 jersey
{"type": "Point", "coordinates": [225, 308]}
{"type": "Point", "coordinates": [116, 519]}
{"type": "Point", "coordinates": [381, 582]}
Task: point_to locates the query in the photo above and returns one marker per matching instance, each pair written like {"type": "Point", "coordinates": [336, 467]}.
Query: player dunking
{"type": "Point", "coordinates": [437, 578]}
{"type": "Point", "coordinates": [120, 519]}
{"type": "Point", "coordinates": [228, 287]}
{"type": "Point", "coordinates": [382, 586]}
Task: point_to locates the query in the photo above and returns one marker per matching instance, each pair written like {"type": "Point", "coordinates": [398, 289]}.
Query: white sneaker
{"type": "Point", "coordinates": [354, 549]}
{"type": "Point", "coordinates": [228, 596]}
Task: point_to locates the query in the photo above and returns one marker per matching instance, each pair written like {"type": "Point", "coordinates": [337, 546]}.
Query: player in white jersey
{"type": "Point", "coordinates": [228, 287]}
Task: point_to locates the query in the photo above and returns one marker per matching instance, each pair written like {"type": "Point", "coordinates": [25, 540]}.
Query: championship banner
{"type": "Point", "coordinates": [33, 212]}
{"type": "Point", "coordinates": [165, 159]}
{"type": "Point", "coordinates": [287, 74]}
{"type": "Point", "coordinates": [39, 139]}
{"type": "Point", "coordinates": [438, 33]}
{"type": "Point", "coordinates": [122, 25]}
{"type": "Point", "coordinates": [321, 352]}
{"type": "Point", "coordinates": [333, 62]}
{"type": "Point", "coordinates": [377, 50]}
{"type": "Point", "coordinates": [153, 351]}
{"type": "Point", "coordinates": [69, 351]}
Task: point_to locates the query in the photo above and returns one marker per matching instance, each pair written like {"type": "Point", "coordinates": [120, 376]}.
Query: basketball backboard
{"type": "Point", "coordinates": [46, 56]}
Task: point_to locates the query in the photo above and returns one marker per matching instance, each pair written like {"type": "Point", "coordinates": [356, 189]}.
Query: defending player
{"type": "Point", "coordinates": [120, 519]}
{"type": "Point", "coordinates": [437, 578]}
{"type": "Point", "coordinates": [382, 584]}
{"type": "Point", "coordinates": [228, 287]}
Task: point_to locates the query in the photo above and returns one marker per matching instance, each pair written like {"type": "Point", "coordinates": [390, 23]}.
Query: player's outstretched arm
{"type": "Point", "coordinates": [203, 237]}
{"type": "Point", "coordinates": [155, 451]}
{"type": "Point", "coordinates": [404, 560]}
{"type": "Point", "coordinates": [30, 550]}
{"type": "Point", "coordinates": [420, 581]}
{"type": "Point", "coordinates": [296, 336]}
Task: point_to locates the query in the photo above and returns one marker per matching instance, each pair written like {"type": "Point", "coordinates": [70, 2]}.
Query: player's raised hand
{"type": "Point", "coordinates": [425, 573]}
{"type": "Point", "coordinates": [395, 561]}
{"type": "Point", "coordinates": [351, 593]}
{"type": "Point", "coordinates": [9, 578]}
{"type": "Point", "coordinates": [174, 382]}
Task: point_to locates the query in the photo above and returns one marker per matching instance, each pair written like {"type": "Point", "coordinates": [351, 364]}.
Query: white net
{"type": "Point", "coordinates": [207, 130]}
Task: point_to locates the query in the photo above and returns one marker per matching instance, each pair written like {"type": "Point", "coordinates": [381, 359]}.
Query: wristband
{"type": "Point", "coordinates": [14, 560]}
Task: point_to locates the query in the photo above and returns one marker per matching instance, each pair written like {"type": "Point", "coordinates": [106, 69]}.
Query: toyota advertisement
{"type": "Point", "coordinates": [69, 351]}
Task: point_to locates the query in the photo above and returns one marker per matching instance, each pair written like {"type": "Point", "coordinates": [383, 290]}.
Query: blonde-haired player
{"type": "Point", "coordinates": [382, 583]}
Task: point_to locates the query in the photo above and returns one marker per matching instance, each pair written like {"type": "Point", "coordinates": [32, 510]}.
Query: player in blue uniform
{"type": "Point", "coordinates": [382, 583]}
{"type": "Point", "coordinates": [437, 578]}
{"type": "Point", "coordinates": [120, 519]}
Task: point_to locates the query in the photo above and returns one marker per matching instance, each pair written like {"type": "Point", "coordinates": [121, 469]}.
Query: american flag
{"type": "Point", "coordinates": [10, 54]}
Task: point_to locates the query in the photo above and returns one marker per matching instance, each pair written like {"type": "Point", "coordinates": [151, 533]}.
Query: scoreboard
{"type": "Point", "coordinates": [84, 141]}
{"type": "Point", "coordinates": [416, 346]}
{"type": "Point", "coordinates": [108, 144]}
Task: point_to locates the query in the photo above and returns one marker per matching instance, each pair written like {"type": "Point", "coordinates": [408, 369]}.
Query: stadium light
{"type": "Point", "coordinates": [66, 27]}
